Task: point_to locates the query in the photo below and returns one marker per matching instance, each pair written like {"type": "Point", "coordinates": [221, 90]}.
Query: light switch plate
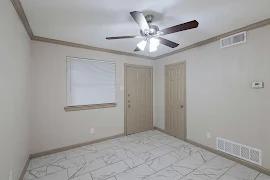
{"type": "Point", "coordinates": [10, 175]}
{"type": "Point", "coordinates": [208, 135]}
{"type": "Point", "coordinates": [122, 88]}
{"type": "Point", "coordinates": [92, 130]}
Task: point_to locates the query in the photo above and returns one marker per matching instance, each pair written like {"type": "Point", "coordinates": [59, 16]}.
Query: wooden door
{"type": "Point", "coordinates": [175, 107]}
{"type": "Point", "coordinates": [139, 99]}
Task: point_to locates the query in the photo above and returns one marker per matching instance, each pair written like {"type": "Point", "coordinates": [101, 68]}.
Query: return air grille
{"type": "Point", "coordinates": [239, 150]}
{"type": "Point", "coordinates": [233, 40]}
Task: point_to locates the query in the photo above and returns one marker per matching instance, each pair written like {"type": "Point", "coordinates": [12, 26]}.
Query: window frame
{"type": "Point", "coordinates": [68, 87]}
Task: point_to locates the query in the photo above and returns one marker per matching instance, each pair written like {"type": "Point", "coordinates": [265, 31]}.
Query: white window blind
{"type": "Point", "coordinates": [90, 82]}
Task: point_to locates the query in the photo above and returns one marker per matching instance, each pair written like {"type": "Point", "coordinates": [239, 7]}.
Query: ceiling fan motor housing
{"type": "Point", "coordinates": [153, 29]}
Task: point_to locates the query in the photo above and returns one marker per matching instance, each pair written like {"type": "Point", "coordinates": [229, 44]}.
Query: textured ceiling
{"type": "Point", "coordinates": [89, 22]}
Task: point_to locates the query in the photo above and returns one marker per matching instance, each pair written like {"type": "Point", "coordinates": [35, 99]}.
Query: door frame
{"type": "Point", "coordinates": [165, 96]}
{"type": "Point", "coordinates": [125, 92]}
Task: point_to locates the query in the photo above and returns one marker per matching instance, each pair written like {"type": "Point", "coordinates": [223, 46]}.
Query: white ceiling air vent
{"type": "Point", "coordinates": [239, 150]}
{"type": "Point", "coordinates": [233, 40]}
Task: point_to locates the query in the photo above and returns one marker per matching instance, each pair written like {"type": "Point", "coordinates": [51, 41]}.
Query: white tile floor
{"type": "Point", "coordinates": [149, 155]}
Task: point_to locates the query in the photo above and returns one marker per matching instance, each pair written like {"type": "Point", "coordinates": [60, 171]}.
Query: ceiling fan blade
{"type": "Point", "coordinates": [167, 42]}
{"type": "Point", "coordinates": [122, 37]}
{"type": "Point", "coordinates": [140, 20]}
{"type": "Point", "coordinates": [181, 27]}
{"type": "Point", "coordinates": [137, 49]}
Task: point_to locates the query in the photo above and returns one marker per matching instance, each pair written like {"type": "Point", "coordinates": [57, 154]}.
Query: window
{"type": "Point", "coordinates": [90, 84]}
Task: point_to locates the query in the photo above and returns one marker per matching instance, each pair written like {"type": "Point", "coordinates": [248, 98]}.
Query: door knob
{"type": "Point", "coordinates": [129, 106]}
{"type": "Point", "coordinates": [182, 106]}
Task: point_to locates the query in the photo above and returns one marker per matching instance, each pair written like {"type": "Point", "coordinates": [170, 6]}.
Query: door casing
{"type": "Point", "coordinates": [165, 95]}
{"type": "Point", "coordinates": [125, 92]}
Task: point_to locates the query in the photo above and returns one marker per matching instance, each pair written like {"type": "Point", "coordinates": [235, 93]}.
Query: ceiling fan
{"type": "Point", "coordinates": [152, 34]}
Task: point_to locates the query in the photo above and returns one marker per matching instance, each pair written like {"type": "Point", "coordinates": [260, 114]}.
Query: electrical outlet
{"type": "Point", "coordinates": [208, 135]}
{"type": "Point", "coordinates": [92, 130]}
{"type": "Point", "coordinates": [10, 175]}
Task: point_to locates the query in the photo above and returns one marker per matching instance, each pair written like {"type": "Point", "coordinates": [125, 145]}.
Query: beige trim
{"type": "Point", "coordinates": [235, 159]}
{"type": "Point", "coordinates": [17, 5]}
{"type": "Point", "coordinates": [159, 129]}
{"type": "Point", "coordinates": [71, 44]}
{"type": "Point", "coordinates": [19, 9]}
{"type": "Point", "coordinates": [125, 93]}
{"type": "Point", "coordinates": [165, 95]}
{"type": "Point", "coordinates": [87, 107]}
{"type": "Point", "coordinates": [217, 38]}
{"type": "Point", "coordinates": [57, 150]}
{"type": "Point", "coordinates": [25, 168]}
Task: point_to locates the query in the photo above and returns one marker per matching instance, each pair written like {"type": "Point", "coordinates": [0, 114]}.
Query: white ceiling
{"type": "Point", "coordinates": [89, 22]}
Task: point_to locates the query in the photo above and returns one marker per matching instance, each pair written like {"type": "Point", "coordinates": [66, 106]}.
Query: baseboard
{"type": "Point", "coordinates": [45, 153]}
{"type": "Point", "coordinates": [25, 168]}
{"type": "Point", "coordinates": [235, 159]}
{"type": "Point", "coordinates": [161, 130]}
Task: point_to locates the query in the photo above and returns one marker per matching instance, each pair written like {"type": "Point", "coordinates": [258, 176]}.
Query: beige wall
{"type": "Point", "coordinates": [52, 127]}
{"type": "Point", "coordinates": [220, 99]}
{"type": "Point", "coordinates": [14, 92]}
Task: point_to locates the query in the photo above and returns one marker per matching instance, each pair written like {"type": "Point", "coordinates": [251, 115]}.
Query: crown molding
{"type": "Point", "coordinates": [19, 9]}
{"type": "Point", "coordinates": [76, 45]}
{"type": "Point", "coordinates": [217, 38]}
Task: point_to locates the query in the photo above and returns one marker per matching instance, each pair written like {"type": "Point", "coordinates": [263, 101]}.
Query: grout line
{"type": "Point", "coordinates": [257, 176]}
{"type": "Point", "coordinates": [227, 171]}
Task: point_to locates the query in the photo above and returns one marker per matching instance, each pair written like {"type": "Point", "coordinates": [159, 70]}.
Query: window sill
{"type": "Point", "coordinates": [87, 107]}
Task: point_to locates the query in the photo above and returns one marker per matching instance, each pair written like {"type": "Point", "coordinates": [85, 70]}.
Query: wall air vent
{"type": "Point", "coordinates": [233, 40]}
{"type": "Point", "coordinates": [239, 150]}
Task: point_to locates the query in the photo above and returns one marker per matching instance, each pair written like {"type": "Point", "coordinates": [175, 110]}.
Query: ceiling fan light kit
{"type": "Point", "coordinates": [142, 45]}
{"type": "Point", "coordinates": [152, 34]}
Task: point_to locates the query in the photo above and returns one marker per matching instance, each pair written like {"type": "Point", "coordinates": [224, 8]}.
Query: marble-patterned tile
{"type": "Point", "coordinates": [263, 177]}
{"type": "Point", "coordinates": [90, 148]}
{"type": "Point", "coordinates": [77, 152]}
{"type": "Point", "coordinates": [136, 160]}
{"type": "Point", "coordinates": [127, 146]}
{"type": "Point", "coordinates": [187, 165]}
{"type": "Point", "coordinates": [52, 169]}
{"type": "Point", "coordinates": [70, 162]}
{"type": "Point", "coordinates": [61, 175]}
{"type": "Point", "coordinates": [177, 144]}
{"type": "Point", "coordinates": [83, 177]}
{"type": "Point", "coordinates": [126, 139]}
{"type": "Point", "coordinates": [137, 173]}
{"type": "Point", "coordinates": [189, 148]}
{"type": "Point", "coordinates": [162, 162]}
{"type": "Point", "coordinates": [107, 144]}
{"type": "Point", "coordinates": [85, 168]}
{"type": "Point", "coordinates": [204, 155]}
{"type": "Point", "coordinates": [196, 175]}
{"type": "Point", "coordinates": [112, 178]}
{"type": "Point", "coordinates": [159, 137]}
{"type": "Point", "coordinates": [109, 171]}
{"type": "Point", "coordinates": [99, 154]}
{"type": "Point", "coordinates": [179, 154]}
{"type": "Point", "coordinates": [216, 167]}
{"type": "Point", "coordinates": [28, 176]}
{"type": "Point", "coordinates": [45, 160]}
{"type": "Point", "coordinates": [119, 155]}
{"type": "Point", "coordinates": [39, 172]}
{"type": "Point", "coordinates": [142, 149]}
{"type": "Point", "coordinates": [163, 142]}
{"type": "Point", "coordinates": [142, 141]}
{"type": "Point", "coordinates": [240, 172]}
{"type": "Point", "coordinates": [162, 150]}
{"type": "Point", "coordinates": [45, 170]}
{"type": "Point", "coordinates": [166, 174]}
